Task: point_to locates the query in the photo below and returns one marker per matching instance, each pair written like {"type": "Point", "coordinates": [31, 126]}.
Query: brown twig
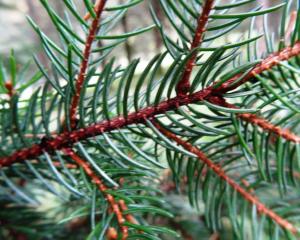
{"type": "Point", "coordinates": [84, 64]}
{"type": "Point", "coordinates": [266, 125]}
{"type": "Point", "coordinates": [112, 234]}
{"type": "Point", "coordinates": [87, 16]}
{"type": "Point", "coordinates": [261, 208]}
{"type": "Point", "coordinates": [183, 85]}
{"type": "Point", "coordinates": [258, 121]}
{"type": "Point", "coordinates": [128, 217]}
{"type": "Point", "coordinates": [68, 138]}
{"type": "Point", "coordinates": [269, 62]}
{"type": "Point", "coordinates": [102, 187]}
{"type": "Point", "coordinates": [58, 164]}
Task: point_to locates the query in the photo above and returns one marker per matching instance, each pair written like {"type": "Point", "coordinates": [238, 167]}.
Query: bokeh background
{"type": "Point", "coordinates": [16, 32]}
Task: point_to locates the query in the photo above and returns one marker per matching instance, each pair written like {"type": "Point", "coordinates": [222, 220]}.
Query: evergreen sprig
{"type": "Point", "coordinates": [224, 117]}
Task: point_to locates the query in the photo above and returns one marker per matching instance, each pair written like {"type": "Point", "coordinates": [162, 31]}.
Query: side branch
{"type": "Point", "coordinates": [261, 208]}
{"type": "Point", "coordinates": [84, 64]}
{"type": "Point", "coordinates": [267, 126]}
{"type": "Point", "coordinates": [87, 16]}
{"type": "Point", "coordinates": [68, 138]}
{"type": "Point", "coordinates": [183, 85]}
{"type": "Point", "coordinates": [102, 187]}
{"type": "Point", "coordinates": [258, 121]}
{"type": "Point", "coordinates": [269, 62]}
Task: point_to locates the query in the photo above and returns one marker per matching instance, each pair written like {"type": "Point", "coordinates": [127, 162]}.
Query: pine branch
{"type": "Point", "coordinates": [84, 64]}
{"type": "Point", "coordinates": [68, 138]}
{"type": "Point", "coordinates": [261, 122]}
{"type": "Point", "coordinates": [183, 85]}
{"type": "Point", "coordinates": [103, 188]}
{"type": "Point", "coordinates": [261, 208]}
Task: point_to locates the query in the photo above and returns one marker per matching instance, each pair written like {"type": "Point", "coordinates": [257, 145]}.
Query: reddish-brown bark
{"type": "Point", "coordinates": [269, 127]}
{"type": "Point", "coordinates": [261, 122]}
{"type": "Point", "coordinates": [261, 208]}
{"type": "Point", "coordinates": [183, 85]}
{"type": "Point", "coordinates": [84, 64]}
{"type": "Point", "coordinates": [269, 62]}
{"type": "Point", "coordinates": [68, 138]}
{"type": "Point", "coordinates": [112, 234]}
{"type": "Point", "coordinates": [128, 217]}
{"type": "Point", "coordinates": [102, 187]}
{"type": "Point", "coordinates": [87, 16]}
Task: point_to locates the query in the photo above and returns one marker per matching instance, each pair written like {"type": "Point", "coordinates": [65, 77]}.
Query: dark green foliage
{"type": "Point", "coordinates": [135, 157]}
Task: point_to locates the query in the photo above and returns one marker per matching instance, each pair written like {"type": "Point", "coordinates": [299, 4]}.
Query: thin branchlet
{"type": "Point", "coordinates": [128, 217]}
{"type": "Point", "coordinates": [258, 121]}
{"type": "Point", "coordinates": [69, 138]}
{"type": "Point", "coordinates": [85, 62]}
{"type": "Point", "coordinates": [87, 16]}
{"type": "Point", "coordinates": [269, 62]}
{"type": "Point", "coordinates": [103, 188]}
{"type": "Point", "coordinates": [183, 86]}
{"type": "Point", "coordinates": [269, 127]}
{"type": "Point", "coordinates": [261, 208]}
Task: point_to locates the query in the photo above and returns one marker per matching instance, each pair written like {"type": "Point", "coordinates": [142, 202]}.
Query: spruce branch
{"type": "Point", "coordinates": [130, 122]}
{"type": "Point", "coordinates": [103, 188]}
{"type": "Point", "coordinates": [68, 138]}
{"type": "Point", "coordinates": [267, 126]}
{"type": "Point", "coordinates": [183, 85]}
{"type": "Point", "coordinates": [84, 64]}
{"type": "Point", "coordinates": [258, 121]}
{"type": "Point", "coordinates": [261, 208]}
{"type": "Point", "coordinates": [266, 64]}
{"type": "Point", "coordinates": [127, 125]}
